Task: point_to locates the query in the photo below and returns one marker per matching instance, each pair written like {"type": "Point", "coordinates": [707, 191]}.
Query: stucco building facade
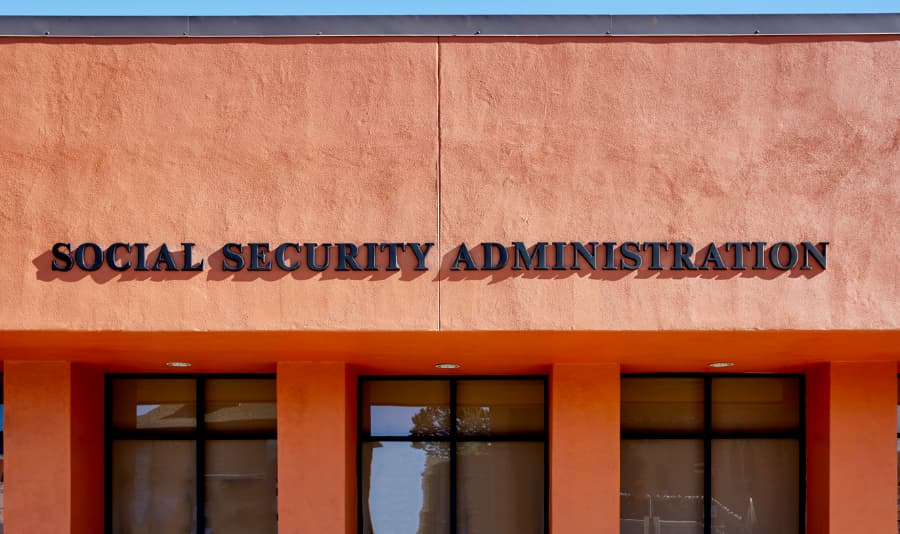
{"type": "Point", "coordinates": [259, 132]}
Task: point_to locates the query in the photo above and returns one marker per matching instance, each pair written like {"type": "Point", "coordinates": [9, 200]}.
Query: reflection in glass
{"type": "Point", "coordinates": [755, 486]}
{"type": "Point", "coordinates": [154, 404]}
{"type": "Point", "coordinates": [500, 488]}
{"type": "Point", "coordinates": [497, 407]}
{"type": "Point", "coordinates": [406, 487]}
{"type": "Point", "coordinates": [240, 486]}
{"type": "Point", "coordinates": [662, 486]}
{"type": "Point", "coordinates": [154, 485]}
{"type": "Point", "coordinates": [763, 404]}
{"type": "Point", "coordinates": [406, 407]}
{"type": "Point", "coordinates": [662, 404]}
{"type": "Point", "coordinates": [246, 405]}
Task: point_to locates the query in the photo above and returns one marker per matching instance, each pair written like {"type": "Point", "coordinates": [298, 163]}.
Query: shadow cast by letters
{"type": "Point", "coordinates": [45, 273]}
{"type": "Point", "coordinates": [485, 261]}
{"type": "Point", "coordinates": [566, 265]}
{"type": "Point", "coordinates": [214, 267]}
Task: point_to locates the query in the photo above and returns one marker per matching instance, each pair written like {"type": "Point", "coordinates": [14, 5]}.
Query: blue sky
{"type": "Point", "coordinates": [437, 7]}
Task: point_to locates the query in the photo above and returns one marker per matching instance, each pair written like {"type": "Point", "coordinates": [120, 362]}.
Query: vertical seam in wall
{"type": "Point", "coordinates": [439, 162]}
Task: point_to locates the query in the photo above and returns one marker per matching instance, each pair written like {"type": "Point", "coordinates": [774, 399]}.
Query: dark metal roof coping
{"type": "Point", "coordinates": [452, 25]}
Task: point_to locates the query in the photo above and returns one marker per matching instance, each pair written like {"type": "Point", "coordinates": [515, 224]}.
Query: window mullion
{"type": "Point", "coordinates": [441, 424]}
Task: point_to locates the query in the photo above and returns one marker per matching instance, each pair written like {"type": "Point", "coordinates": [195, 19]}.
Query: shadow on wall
{"type": "Point", "coordinates": [159, 270]}
{"type": "Point", "coordinates": [405, 263]}
{"type": "Point", "coordinates": [486, 261]}
{"type": "Point", "coordinates": [636, 263]}
{"type": "Point", "coordinates": [104, 273]}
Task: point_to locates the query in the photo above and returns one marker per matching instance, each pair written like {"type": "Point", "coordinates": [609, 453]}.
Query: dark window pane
{"type": "Point", "coordinates": [662, 486]}
{"type": "Point", "coordinates": [758, 404]}
{"type": "Point", "coordinates": [153, 487]}
{"type": "Point", "coordinates": [237, 405]}
{"type": "Point", "coordinates": [662, 404]}
{"type": "Point", "coordinates": [500, 488]}
{"type": "Point", "coordinates": [496, 407]}
{"type": "Point", "coordinates": [755, 486]}
{"type": "Point", "coordinates": [144, 403]}
{"type": "Point", "coordinates": [406, 407]}
{"type": "Point", "coordinates": [406, 488]}
{"type": "Point", "coordinates": [240, 487]}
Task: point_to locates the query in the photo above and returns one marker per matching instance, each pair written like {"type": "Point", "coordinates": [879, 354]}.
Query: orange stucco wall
{"type": "Point", "coordinates": [37, 441]}
{"type": "Point", "coordinates": [86, 444]}
{"type": "Point", "coordinates": [53, 448]}
{"type": "Point", "coordinates": [584, 449]}
{"type": "Point", "coordinates": [316, 449]}
{"type": "Point", "coordinates": [447, 140]}
{"type": "Point", "coordinates": [852, 448]}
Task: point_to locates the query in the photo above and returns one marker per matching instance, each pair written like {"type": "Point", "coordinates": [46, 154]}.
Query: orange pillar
{"type": "Point", "coordinates": [852, 448]}
{"type": "Point", "coordinates": [584, 449]}
{"type": "Point", "coordinates": [316, 449]}
{"type": "Point", "coordinates": [53, 445]}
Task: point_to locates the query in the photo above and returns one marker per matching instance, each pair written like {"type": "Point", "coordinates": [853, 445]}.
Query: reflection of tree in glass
{"type": "Point", "coordinates": [431, 421]}
{"type": "Point", "coordinates": [434, 422]}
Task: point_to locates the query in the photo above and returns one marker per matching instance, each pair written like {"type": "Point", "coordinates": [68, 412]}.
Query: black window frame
{"type": "Point", "coordinates": [200, 435]}
{"type": "Point", "coordinates": [707, 435]}
{"type": "Point", "coordinates": [453, 439]}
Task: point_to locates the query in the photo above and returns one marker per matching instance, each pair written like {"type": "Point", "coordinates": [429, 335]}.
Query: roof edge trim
{"type": "Point", "coordinates": [452, 25]}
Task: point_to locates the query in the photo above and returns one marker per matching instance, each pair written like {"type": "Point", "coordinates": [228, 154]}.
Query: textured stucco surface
{"type": "Point", "coordinates": [703, 140]}
{"type": "Point", "coordinates": [451, 140]}
{"type": "Point", "coordinates": [846, 401]}
{"type": "Point", "coordinates": [214, 142]}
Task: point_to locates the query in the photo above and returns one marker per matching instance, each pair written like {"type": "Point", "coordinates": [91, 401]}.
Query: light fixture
{"type": "Point", "coordinates": [178, 364]}
{"type": "Point", "coordinates": [447, 365]}
{"type": "Point", "coordinates": [720, 364]}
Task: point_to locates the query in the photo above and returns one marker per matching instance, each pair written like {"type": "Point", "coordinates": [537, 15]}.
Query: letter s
{"type": "Point", "coordinates": [66, 257]}
{"type": "Point", "coordinates": [232, 253]}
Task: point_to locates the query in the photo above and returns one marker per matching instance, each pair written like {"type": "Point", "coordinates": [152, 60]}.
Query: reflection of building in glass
{"type": "Point", "coordinates": [482, 459]}
{"type": "Point", "coordinates": [664, 514]}
{"type": "Point", "coordinates": [433, 516]}
{"type": "Point", "coordinates": [719, 450]}
{"type": "Point", "coordinates": [496, 481]}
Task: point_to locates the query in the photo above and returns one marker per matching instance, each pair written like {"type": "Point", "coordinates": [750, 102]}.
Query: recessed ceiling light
{"type": "Point", "coordinates": [178, 364]}
{"type": "Point", "coordinates": [721, 364]}
{"type": "Point", "coordinates": [447, 365]}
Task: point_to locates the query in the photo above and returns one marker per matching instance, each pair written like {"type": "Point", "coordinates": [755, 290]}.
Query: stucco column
{"type": "Point", "coordinates": [316, 449]}
{"type": "Point", "coordinates": [584, 449]}
{"type": "Point", "coordinates": [852, 448]}
{"type": "Point", "coordinates": [53, 448]}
